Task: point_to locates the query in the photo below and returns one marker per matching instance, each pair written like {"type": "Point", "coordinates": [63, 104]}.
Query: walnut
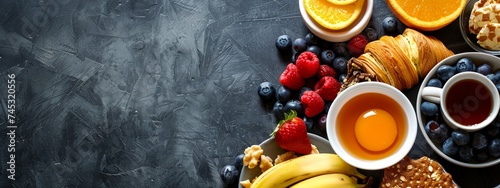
{"type": "Point", "coordinates": [252, 156]}
{"type": "Point", "coordinates": [246, 183]}
{"type": "Point", "coordinates": [283, 157]}
{"type": "Point", "coordinates": [265, 163]}
{"type": "Point", "coordinates": [314, 149]}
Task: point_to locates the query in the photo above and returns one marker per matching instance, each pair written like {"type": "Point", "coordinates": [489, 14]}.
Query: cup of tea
{"type": "Point", "coordinates": [371, 125]}
{"type": "Point", "coordinates": [468, 101]}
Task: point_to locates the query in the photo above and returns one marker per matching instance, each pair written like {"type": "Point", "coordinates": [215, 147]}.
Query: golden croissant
{"type": "Point", "coordinates": [399, 61]}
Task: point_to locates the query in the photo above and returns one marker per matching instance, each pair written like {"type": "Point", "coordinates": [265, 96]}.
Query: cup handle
{"type": "Point", "coordinates": [432, 94]}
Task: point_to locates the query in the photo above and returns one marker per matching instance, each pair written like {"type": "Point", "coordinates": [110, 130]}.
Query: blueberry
{"type": "Point", "coordinates": [494, 147]}
{"type": "Point", "coordinates": [229, 174]}
{"type": "Point", "coordinates": [299, 45]}
{"type": "Point", "coordinates": [322, 122]}
{"type": "Point", "coordinates": [497, 73]}
{"type": "Point", "coordinates": [327, 57]}
{"type": "Point", "coordinates": [302, 90]}
{"type": "Point", "coordinates": [479, 141]}
{"type": "Point", "coordinates": [484, 69]}
{"type": "Point", "coordinates": [279, 110]}
{"type": "Point", "coordinates": [327, 106]}
{"type": "Point", "coordinates": [437, 132]}
{"type": "Point", "coordinates": [295, 56]}
{"type": "Point", "coordinates": [311, 39]}
{"type": "Point", "coordinates": [341, 78]}
{"type": "Point", "coordinates": [449, 147]}
{"type": "Point", "coordinates": [309, 123]}
{"type": "Point", "coordinates": [294, 105]}
{"type": "Point", "coordinates": [340, 49]}
{"type": "Point", "coordinates": [482, 156]}
{"type": "Point", "coordinates": [284, 43]}
{"type": "Point", "coordinates": [429, 109]}
{"type": "Point", "coordinates": [493, 77]}
{"type": "Point", "coordinates": [371, 34]}
{"type": "Point", "coordinates": [460, 137]}
{"type": "Point", "coordinates": [465, 64]}
{"type": "Point", "coordinates": [445, 72]}
{"type": "Point", "coordinates": [498, 87]}
{"type": "Point", "coordinates": [283, 94]}
{"type": "Point", "coordinates": [434, 82]}
{"type": "Point", "coordinates": [492, 130]}
{"type": "Point", "coordinates": [390, 24]}
{"type": "Point", "coordinates": [238, 161]}
{"type": "Point", "coordinates": [465, 153]}
{"type": "Point", "coordinates": [315, 49]}
{"type": "Point", "coordinates": [267, 92]}
{"type": "Point", "coordinates": [340, 65]}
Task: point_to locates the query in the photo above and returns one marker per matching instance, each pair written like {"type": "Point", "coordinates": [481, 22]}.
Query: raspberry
{"type": "Point", "coordinates": [325, 70]}
{"type": "Point", "coordinates": [312, 103]}
{"type": "Point", "coordinates": [291, 78]}
{"type": "Point", "coordinates": [307, 64]}
{"type": "Point", "coordinates": [357, 45]}
{"type": "Point", "coordinates": [327, 87]}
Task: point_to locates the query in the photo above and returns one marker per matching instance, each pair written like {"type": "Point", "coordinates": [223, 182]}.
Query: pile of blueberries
{"type": "Point", "coordinates": [469, 147]}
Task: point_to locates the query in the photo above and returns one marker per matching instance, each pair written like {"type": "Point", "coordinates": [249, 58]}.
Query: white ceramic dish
{"type": "Point", "coordinates": [372, 87]}
{"type": "Point", "coordinates": [341, 35]}
{"type": "Point", "coordinates": [478, 58]}
{"type": "Point", "coordinates": [469, 38]}
{"type": "Point", "coordinates": [272, 149]}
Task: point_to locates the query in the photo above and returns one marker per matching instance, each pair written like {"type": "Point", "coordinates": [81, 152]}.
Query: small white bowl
{"type": "Point", "coordinates": [338, 35]}
{"type": "Point", "coordinates": [477, 58]}
{"type": "Point", "coordinates": [272, 150]}
{"type": "Point", "coordinates": [380, 88]}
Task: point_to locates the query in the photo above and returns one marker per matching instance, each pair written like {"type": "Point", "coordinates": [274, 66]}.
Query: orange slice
{"type": "Point", "coordinates": [426, 15]}
{"type": "Point", "coordinates": [332, 16]}
{"type": "Point", "coordinates": [342, 2]}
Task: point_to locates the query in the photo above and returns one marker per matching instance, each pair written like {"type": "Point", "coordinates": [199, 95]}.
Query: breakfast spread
{"type": "Point", "coordinates": [398, 61]}
{"type": "Point", "coordinates": [484, 23]}
{"type": "Point", "coordinates": [422, 172]}
{"type": "Point", "coordinates": [320, 70]}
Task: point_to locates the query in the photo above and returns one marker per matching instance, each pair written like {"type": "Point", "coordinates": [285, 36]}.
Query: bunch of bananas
{"type": "Point", "coordinates": [313, 170]}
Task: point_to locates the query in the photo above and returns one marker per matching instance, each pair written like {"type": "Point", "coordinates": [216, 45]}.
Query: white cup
{"type": "Point", "coordinates": [458, 108]}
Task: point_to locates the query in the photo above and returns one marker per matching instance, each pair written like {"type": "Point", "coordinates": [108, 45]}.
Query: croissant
{"type": "Point", "coordinates": [399, 61]}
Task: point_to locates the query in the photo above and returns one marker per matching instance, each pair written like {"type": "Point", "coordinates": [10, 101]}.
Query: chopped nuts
{"type": "Point", "coordinates": [252, 156]}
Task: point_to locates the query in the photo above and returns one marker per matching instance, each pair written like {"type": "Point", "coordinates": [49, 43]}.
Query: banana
{"type": "Point", "coordinates": [294, 170]}
{"type": "Point", "coordinates": [334, 180]}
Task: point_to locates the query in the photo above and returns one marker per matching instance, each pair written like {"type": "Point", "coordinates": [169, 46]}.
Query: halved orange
{"type": "Point", "coordinates": [426, 15]}
{"type": "Point", "coordinates": [342, 2]}
{"type": "Point", "coordinates": [332, 16]}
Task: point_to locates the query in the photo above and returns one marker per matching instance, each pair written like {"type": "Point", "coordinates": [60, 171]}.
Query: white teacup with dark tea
{"type": "Point", "coordinates": [468, 100]}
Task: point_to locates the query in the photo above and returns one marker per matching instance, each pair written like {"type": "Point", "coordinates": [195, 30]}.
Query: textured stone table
{"type": "Point", "coordinates": [150, 93]}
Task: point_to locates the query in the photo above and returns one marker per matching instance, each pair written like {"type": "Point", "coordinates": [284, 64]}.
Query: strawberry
{"type": "Point", "coordinates": [312, 103]}
{"type": "Point", "coordinates": [357, 45]}
{"type": "Point", "coordinates": [291, 134]}
{"type": "Point", "coordinates": [291, 78]}
{"type": "Point", "coordinates": [308, 64]}
{"type": "Point", "coordinates": [327, 87]}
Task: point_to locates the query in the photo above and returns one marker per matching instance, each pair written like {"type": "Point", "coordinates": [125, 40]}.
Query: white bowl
{"type": "Point", "coordinates": [477, 58]}
{"type": "Point", "coordinates": [272, 150]}
{"type": "Point", "coordinates": [371, 87]}
{"type": "Point", "coordinates": [338, 35]}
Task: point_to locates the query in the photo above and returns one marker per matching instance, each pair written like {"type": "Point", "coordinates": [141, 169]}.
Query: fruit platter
{"type": "Point", "coordinates": [399, 51]}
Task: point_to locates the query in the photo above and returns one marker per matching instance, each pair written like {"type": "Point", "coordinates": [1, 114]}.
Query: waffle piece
{"type": "Point", "coordinates": [422, 172]}
{"type": "Point", "coordinates": [484, 11]}
{"type": "Point", "coordinates": [489, 36]}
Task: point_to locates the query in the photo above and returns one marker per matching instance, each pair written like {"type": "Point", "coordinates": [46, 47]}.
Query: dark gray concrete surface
{"type": "Point", "coordinates": [150, 93]}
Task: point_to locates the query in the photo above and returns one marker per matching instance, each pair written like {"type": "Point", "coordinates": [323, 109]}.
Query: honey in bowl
{"type": "Point", "coordinates": [371, 126]}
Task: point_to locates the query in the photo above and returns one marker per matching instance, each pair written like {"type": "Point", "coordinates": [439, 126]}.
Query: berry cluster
{"type": "Point", "coordinates": [478, 146]}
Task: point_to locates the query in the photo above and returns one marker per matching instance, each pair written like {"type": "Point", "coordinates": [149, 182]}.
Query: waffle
{"type": "Point", "coordinates": [422, 172]}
